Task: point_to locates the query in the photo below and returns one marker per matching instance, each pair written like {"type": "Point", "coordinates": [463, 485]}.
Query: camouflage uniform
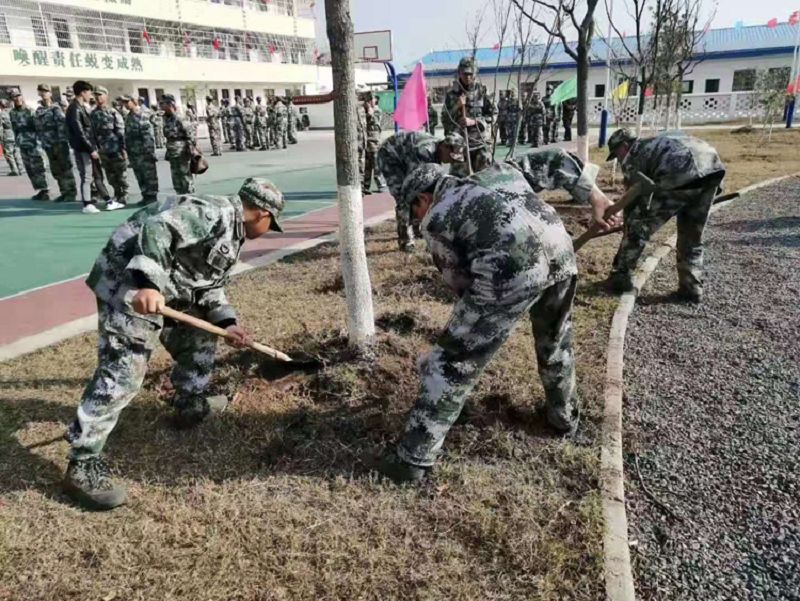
{"type": "Point", "coordinates": [157, 119]}
{"type": "Point", "coordinates": [23, 122]}
{"type": "Point", "coordinates": [224, 116]}
{"type": "Point", "coordinates": [433, 118]}
{"type": "Point", "coordinates": [236, 126]}
{"type": "Point", "coordinates": [513, 114]}
{"type": "Point", "coordinates": [534, 116]}
{"type": "Point", "coordinates": [507, 255]}
{"type": "Point", "coordinates": [279, 131]}
{"type": "Point", "coordinates": [688, 172]}
{"type": "Point", "coordinates": [249, 117]}
{"type": "Point", "coordinates": [214, 132]}
{"type": "Point", "coordinates": [185, 247]}
{"type": "Point", "coordinates": [141, 144]}
{"type": "Point", "coordinates": [291, 124]}
{"type": "Point", "coordinates": [373, 141]}
{"type": "Point", "coordinates": [567, 115]}
{"type": "Point", "coordinates": [361, 140]}
{"type": "Point", "coordinates": [180, 141]}
{"type": "Point", "coordinates": [262, 126]}
{"type": "Point", "coordinates": [478, 107]}
{"type": "Point", "coordinates": [550, 121]}
{"type": "Point", "coordinates": [502, 106]}
{"type": "Point", "coordinates": [51, 126]}
{"type": "Point", "coordinates": [10, 151]}
{"type": "Point", "coordinates": [110, 133]}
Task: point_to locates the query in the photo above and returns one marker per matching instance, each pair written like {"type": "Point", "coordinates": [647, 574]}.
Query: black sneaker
{"type": "Point", "coordinates": [88, 482]}
{"type": "Point", "coordinates": [41, 195]}
{"type": "Point", "coordinates": [390, 466]}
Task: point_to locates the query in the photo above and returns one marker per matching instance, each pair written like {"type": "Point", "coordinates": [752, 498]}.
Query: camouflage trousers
{"type": "Point", "coordinates": [551, 131]}
{"type": "Point", "coordinates": [535, 132]}
{"type": "Point", "coordinates": [476, 331]}
{"type": "Point", "coordinates": [124, 348]}
{"type": "Point", "coordinates": [215, 135]}
{"type": "Point", "coordinates": [226, 133]}
{"type": "Point", "coordinates": [371, 172]}
{"type": "Point", "coordinates": [511, 129]}
{"type": "Point", "coordinates": [567, 131]}
{"type": "Point", "coordinates": [249, 134]}
{"type": "Point", "coordinates": [159, 136]}
{"type": "Point", "coordinates": [116, 169]}
{"type": "Point", "coordinates": [643, 219]}
{"type": "Point", "coordinates": [182, 179]}
{"type": "Point", "coordinates": [61, 167]}
{"type": "Point", "coordinates": [144, 168]}
{"type": "Point", "coordinates": [262, 135]}
{"type": "Point", "coordinates": [502, 131]}
{"type": "Point", "coordinates": [291, 131]}
{"type": "Point", "coordinates": [239, 136]}
{"type": "Point", "coordinates": [34, 167]}
{"type": "Point", "coordinates": [12, 157]}
{"type": "Point", "coordinates": [279, 134]}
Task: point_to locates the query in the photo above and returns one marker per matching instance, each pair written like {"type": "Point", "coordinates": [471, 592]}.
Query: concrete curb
{"type": "Point", "coordinates": [616, 550]}
{"type": "Point", "coordinates": [76, 327]}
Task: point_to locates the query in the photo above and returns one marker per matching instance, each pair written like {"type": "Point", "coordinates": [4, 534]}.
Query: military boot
{"type": "Point", "coordinates": [563, 420]}
{"type": "Point", "coordinates": [41, 195]}
{"type": "Point", "coordinates": [88, 482]}
{"type": "Point", "coordinates": [689, 295]}
{"type": "Point", "coordinates": [390, 466]}
{"type": "Point", "coordinates": [619, 283]}
{"type": "Point", "coordinates": [191, 411]}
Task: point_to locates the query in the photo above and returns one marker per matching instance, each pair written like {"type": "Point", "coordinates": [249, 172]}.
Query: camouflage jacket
{"type": "Point", "coordinates": [373, 130]}
{"type": "Point", "coordinates": [51, 126]}
{"type": "Point", "coordinates": [6, 131]}
{"type": "Point", "coordinates": [673, 160]}
{"type": "Point", "coordinates": [261, 114]}
{"type": "Point", "coordinates": [535, 111]}
{"type": "Point", "coordinates": [433, 116]}
{"type": "Point", "coordinates": [248, 114]}
{"type": "Point", "coordinates": [235, 115]}
{"type": "Point", "coordinates": [568, 110]}
{"type": "Point", "coordinates": [361, 129]}
{"type": "Point", "coordinates": [281, 113]}
{"type": "Point", "coordinates": [140, 138]}
{"type": "Point", "coordinates": [212, 117]}
{"type": "Point", "coordinates": [191, 116]}
{"type": "Point", "coordinates": [146, 112]}
{"type": "Point", "coordinates": [550, 110]}
{"type": "Point", "coordinates": [186, 246]}
{"type": "Point", "coordinates": [157, 119]}
{"type": "Point", "coordinates": [478, 106]}
{"type": "Point", "coordinates": [553, 168]}
{"type": "Point", "coordinates": [401, 153]}
{"type": "Point", "coordinates": [109, 131]}
{"type": "Point", "coordinates": [494, 239]}
{"type": "Point", "coordinates": [512, 111]}
{"type": "Point", "coordinates": [179, 135]}
{"type": "Point", "coordinates": [23, 121]}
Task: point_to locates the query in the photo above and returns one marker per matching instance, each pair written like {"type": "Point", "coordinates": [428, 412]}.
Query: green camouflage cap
{"type": "Point", "coordinates": [467, 65]}
{"type": "Point", "coordinates": [100, 90]}
{"type": "Point", "coordinates": [457, 143]}
{"type": "Point", "coordinates": [14, 93]}
{"type": "Point", "coordinates": [617, 139]}
{"type": "Point", "coordinates": [43, 87]}
{"type": "Point", "coordinates": [419, 180]}
{"type": "Point", "coordinates": [265, 195]}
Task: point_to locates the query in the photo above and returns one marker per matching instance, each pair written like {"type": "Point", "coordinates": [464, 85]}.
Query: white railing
{"type": "Point", "coordinates": [694, 109]}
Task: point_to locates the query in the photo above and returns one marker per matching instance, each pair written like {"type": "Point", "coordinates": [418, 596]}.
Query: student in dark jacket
{"type": "Point", "coordinates": [83, 142]}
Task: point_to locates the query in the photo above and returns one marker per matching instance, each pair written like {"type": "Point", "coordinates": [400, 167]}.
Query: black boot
{"type": "Point", "coordinates": [619, 283]}
{"type": "Point", "coordinates": [41, 195]}
{"type": "Point", "coordinates": [398, 471]}
{"type": "Point", "coordinates": [88, 482]}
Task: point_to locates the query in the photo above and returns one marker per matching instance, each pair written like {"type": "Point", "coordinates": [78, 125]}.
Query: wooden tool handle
{"type": "Point", "coordinates": [202, 324]}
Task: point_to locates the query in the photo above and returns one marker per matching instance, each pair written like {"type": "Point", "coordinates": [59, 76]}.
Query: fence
{"type": "Point", "coordinates": [694, 109]}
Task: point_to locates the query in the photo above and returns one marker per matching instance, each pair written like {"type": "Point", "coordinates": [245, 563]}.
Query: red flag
{"type": "Point", "coordinates": [772, 23]}
{"type": "Point", "coordinates": [794, 18]}
{"type": "Point", "coordinates": [496, 47]}
{"type": "Point", "coordinates": [146, 36]}
{"type": "Point", "coordinates": [216, 43]}
{"type": "Point", "coordinates": [186, 39]}
{"type": "Point", "coordinates": [648, 92]}
{"type": "Point", "coordinates": [272, 49]}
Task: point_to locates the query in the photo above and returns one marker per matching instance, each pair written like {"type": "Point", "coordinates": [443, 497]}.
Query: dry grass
{"type": "Point", "coordinates": [271, 500]}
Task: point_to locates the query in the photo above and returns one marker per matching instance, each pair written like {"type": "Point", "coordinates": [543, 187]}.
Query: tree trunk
{"type": "Point", "coordinates": [355, 271]}
{"type": "Point", "coordinates": [642, 100]}
{"type": "Point", "coordinates": [583, 100]}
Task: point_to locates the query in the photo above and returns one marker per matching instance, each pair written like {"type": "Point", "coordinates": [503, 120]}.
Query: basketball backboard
{"type": "Point", "coordinates": [373, 46]}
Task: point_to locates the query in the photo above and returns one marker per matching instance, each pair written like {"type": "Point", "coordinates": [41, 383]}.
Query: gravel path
{"type": "Point", "coordinates": [712, 422]}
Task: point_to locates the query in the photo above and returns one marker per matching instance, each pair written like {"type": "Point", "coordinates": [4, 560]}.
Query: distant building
{"type": "Point", "coordinates": [717, 89]}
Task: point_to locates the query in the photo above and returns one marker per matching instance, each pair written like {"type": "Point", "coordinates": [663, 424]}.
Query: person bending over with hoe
{"type": "Point", "coordinates": [176, 253]}
{"type": "Point", "coordinates": [506, 254]}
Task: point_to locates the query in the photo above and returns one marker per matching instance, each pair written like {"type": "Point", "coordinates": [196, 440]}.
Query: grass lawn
{"type": "Point", "coordinates": [271, 499]}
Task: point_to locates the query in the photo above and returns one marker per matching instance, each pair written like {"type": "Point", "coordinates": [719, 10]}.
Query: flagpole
{"type": "Point", "coordinates": [601, 142]}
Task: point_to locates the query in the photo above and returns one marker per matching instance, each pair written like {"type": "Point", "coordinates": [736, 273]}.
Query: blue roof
{"type": "Point", "coordinates": [758, 40]}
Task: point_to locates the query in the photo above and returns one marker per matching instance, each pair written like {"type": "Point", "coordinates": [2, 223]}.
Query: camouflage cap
{"type": "Point", "coordinates": [265, 195]}
{"type": "Point", "coordinates": [617, 139]}
{"type": "Point", "coordinates": [457, 143]}
{"type": "Point", "coordinates": [467, 65]}
{"type": "Point", "coordinates": [42, 87]}
{"type": "Point", "coordinates": [14, 93]}
{"type": "Point", "coordinates": [167, 99]}
{"type": "Point", "coordinates": [100, 90]}
{"type": "Point", "coordinates": [126, 98]}
{"type": "Point", "coordinates": [422, 178]}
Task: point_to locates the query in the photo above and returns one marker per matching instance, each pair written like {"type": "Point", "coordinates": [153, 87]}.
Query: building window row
{"type": "Point", "coordinates": [27, 24]}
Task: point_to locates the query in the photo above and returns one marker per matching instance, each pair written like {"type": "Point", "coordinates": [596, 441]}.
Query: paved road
{"type": "Point", "coordinates": [713, 415]}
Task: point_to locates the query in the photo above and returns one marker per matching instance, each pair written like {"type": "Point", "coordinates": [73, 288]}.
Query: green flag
{"type": "Point", "coordinates": [567, 90]}
{"type": "Point", "coordinates": [386, 100]}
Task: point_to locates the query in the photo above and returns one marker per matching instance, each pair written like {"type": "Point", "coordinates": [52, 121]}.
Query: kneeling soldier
{"type": "Point", "coordinates": [506, 254]}
{"type": "Point", "coordinates": [178, 252]}
{"type": "Point", "coordinates": [688, 172]}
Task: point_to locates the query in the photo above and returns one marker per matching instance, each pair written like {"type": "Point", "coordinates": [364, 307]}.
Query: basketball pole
{"type": "Point", "coordinates": [393, 76]}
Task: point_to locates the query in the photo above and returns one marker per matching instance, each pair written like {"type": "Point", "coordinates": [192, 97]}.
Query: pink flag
{"type": "Point", "coordinates": [412, 108]}
{"type": "Point", "coordinates": [794, 18]}
{"type": "Point", "coordinates": [648, 92]}
{"type": "Point", "coordinates": [496, 47]}
{"type": "Point", "coordinates": [772, 23]}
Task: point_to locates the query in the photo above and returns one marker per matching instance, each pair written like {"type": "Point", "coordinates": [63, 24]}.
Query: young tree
{"type": "Point", "coordinates": [355, 272]}
{"type": "Point", "coordinates": [502, 16]}
{"type": "Point", "coordinates": [566, 13]}
{"type": "Point", "coordinates": [770, 96]}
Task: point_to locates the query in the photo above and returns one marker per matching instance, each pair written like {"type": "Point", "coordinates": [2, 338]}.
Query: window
{"type": "Point", "coordinates": [237, 93]}
{"type": "Point", "coordinates": [214, 93]}
{"type": "Point", "coordinates": [226, 94]}
{"type": "Point", "coordinates": [269, 93]}
{"type": "Point", "coordinates": [39, 32]}
{"type": "Point", "coordinates": [56, 92]}
{"type": "Point", "coordinates": [159, 94]}
{"type": "Point", "coordinates": [5, 38]}
{"type": "Point", "coordinates": [687, 86]}
{"type": "Point", "coordinates": [248, 93]}
{"type": "Point", "coordinates": [600, 90]}
{"type": "Point", "coordinates": [782, 74]}
{"type": "Point", "coordinates": [135, 40]}
{"type": "Point", "coordinates": [144, 93]}
{"type": "Point", "coordinates": [712, 86]}
{"type": "Point", "coordinates": [744, 80]}
{"type": "Point", "coordinates": [62, 33]}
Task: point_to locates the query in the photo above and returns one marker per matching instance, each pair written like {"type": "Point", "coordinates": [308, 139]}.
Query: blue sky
{"type": "Point", "coordinates": [420, 26]}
